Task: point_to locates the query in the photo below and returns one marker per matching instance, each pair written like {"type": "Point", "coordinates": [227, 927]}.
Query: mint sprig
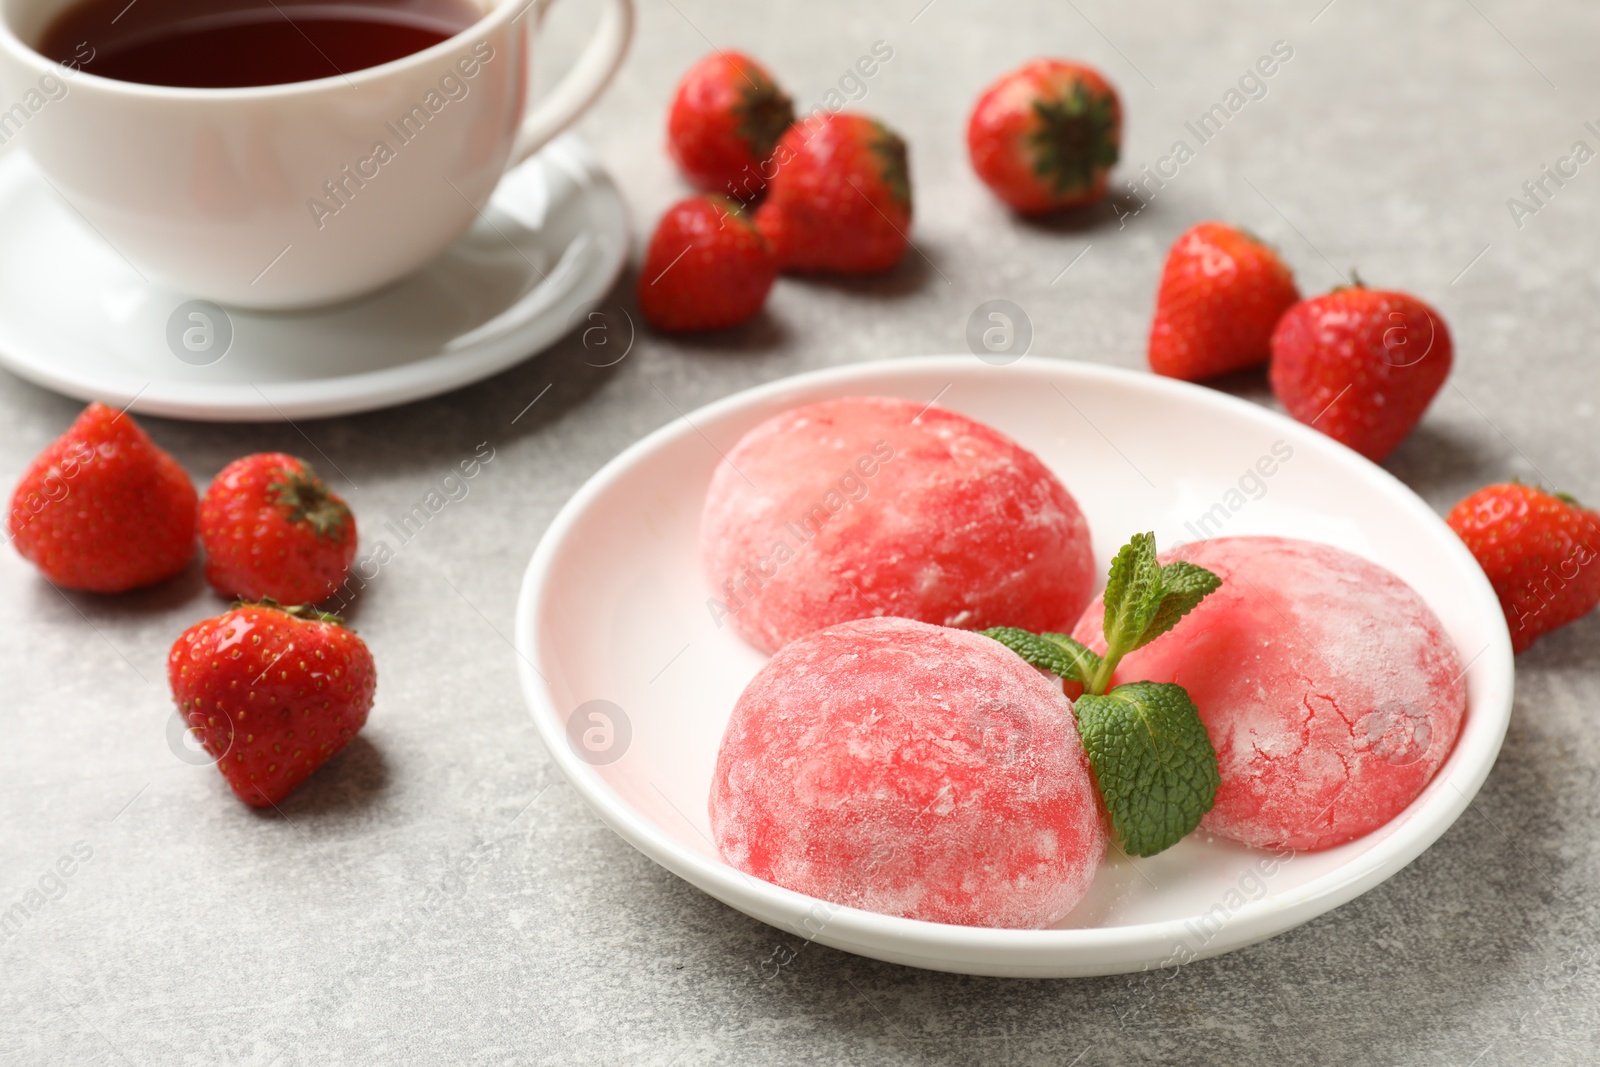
{"type": "Point", "coordinates": [1153, 760]}
{"type": "Point", "coordinates": [1144, 600]}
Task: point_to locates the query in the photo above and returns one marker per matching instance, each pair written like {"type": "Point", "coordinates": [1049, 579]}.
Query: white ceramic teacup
{"type": "Point", "coordinates": [300, 194]}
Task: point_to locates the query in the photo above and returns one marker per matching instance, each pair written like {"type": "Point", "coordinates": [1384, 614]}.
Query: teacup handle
{"type": "Point", "coordinates": [571, 97]}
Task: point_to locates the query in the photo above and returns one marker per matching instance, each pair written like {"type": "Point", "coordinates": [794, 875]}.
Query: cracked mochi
{"type": "Point", "coordinates": [912, 770]}
{"type": "Point", "coordinates": [1329, 688]}
{"type": "Point", "coordinates": [869, 506]}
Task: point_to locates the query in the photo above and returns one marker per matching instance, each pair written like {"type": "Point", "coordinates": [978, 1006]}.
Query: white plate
{"type": "Point", "coordinates": [613, 608]}
{"type": "Point", "coordinates": [77, 318]}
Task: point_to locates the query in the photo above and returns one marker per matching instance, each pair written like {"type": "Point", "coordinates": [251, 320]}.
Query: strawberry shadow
{"type": "Point", "coordinates": [1571, 648]}
{"type": "Point", "coordinates": [604, 337]}
{"type": "Point", "coordinates": [349, 783]}
{"type": "Point", "coordinates": [1436, 460]}
{"type": "Point", "coordinates": [163, 598]}
{"type": "Point", "coordinates": [1444, 463]}
{"type": "Point", "coordinates": [1116, 211]}
{"type": "Point", "coordinates": [917, 269]}
{"type": "Point", "coordinates": [348, 600]}
{"type": "Point", "coordinates": [763, 334]}
{"type": "Point", "coordinates": [1249, 384]}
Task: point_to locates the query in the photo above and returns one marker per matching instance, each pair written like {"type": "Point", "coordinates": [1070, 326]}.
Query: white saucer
{"type": "Point", "coordinates": [613, 608]}
{"type": "Point", "coordinates": [77, 318]}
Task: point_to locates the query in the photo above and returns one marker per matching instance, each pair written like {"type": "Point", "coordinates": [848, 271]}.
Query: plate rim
{"type": "Point", "coordinates": [1019, 953]}
{"type": "Point", "coordinates": [368, 390]}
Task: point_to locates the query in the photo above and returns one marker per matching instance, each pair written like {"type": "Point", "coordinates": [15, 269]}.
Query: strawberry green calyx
{"type": "Point", "coordinates": [305, 612]}
{"type": "Point", "coordinates": [890, 149]}
{"type": "Point", "coordinates": [1560, 494]}
{"type": "Point", "coordinates": [1075, 138]}
{"type": "Point", "coordinates": [1153, 761]}
{"type": "Point", "coordinates": [1355, 282]}
{"type": "Point", "coordinates": [306, 498]}
{"type": "Point", "coordinates": [763, 112]}
{"type": "Point", "coordinates": [732, 209]}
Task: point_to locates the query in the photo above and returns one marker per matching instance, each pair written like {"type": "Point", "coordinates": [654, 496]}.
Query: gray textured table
{"type": "Point", "coordinates": [438, 894]}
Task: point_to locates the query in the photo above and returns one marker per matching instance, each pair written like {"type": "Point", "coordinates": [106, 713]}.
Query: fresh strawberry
{"type": "Point", "coordinates": [1222, 292]}
{"type": "Point", "coordinates": [271, 528]}
{"type": "Point", "coordinates": [1361, 365]}
{"type": "Point", "coordinates": [1538, 550]}
{"type": "Point", "coordinates": [841, 198]}
{"type": "Point", "coordinates": [1046, 135]}
{"type": "Point", "coordinates": [707, 267]}
{"type": "Point", "coordinates": [103, 508]}
{"type": "Point", "coordinates": [726, 119]}
{"type": "Point", "coordinates": [272, 693]}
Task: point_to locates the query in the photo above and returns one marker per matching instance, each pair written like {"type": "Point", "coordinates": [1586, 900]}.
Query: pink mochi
{"type": "Point", "coordinates": [911, 770]}
{"type": "Point", "coordinates": [1329, 688]}
{"type": "Point", "coordinates": [868, 506]}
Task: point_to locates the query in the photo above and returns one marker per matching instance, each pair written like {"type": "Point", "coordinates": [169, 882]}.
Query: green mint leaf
{"type": "Point", "coordinates": [1084, 661]}
{"type": "Point", "coordinates": [1133, 592]}
{"type": "Point", "coordinates": [1183, 586]}
{"type": "Point", "coordinates": [1152, 760]}
{"type": "Point", "coordinates": [1056, 653]}
{"type": "Point", "coordinates": [1132, 597]}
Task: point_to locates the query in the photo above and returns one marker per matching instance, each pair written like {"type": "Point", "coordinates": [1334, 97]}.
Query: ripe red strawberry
{"type": "Point", "coordinates": [272, 693]}
{"type": "Point", "coordinates": [841, 199]}
{"type": "Point", "coordinates": [707, 267]}
{"type": "Point", "coordinates": [1222, 292]}
{"type": "Point", "coordinates": [271, 528]}
{"type": "Point", "coordinates": [1046, 135]}
{"type": "Point", "coordinates": [1361, 365]}
{"type": "Point", "coordinates": [103, 508]}
{"type": "Point", "coordinates": [1538, 550]}
{"type": "Point", "coordinates": [726, 118]}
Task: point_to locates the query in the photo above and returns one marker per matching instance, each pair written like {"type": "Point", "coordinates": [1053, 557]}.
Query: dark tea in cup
{"type": "Point", "coordinates": [228, 44]}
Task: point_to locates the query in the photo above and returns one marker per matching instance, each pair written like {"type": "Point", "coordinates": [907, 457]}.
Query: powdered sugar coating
{"type": "Point", "coordinates": [870, 506]}
{"type": "Point", "coordinates": [912, 770]}
{"type": "Point", "coordinates": [1328, 686]}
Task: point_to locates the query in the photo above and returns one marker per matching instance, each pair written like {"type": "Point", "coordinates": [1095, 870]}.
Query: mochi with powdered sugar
{"type": "Point", "coordinates": [1329, 688]}
{"type": "Point", "coordinates": [912, 770]}
{"type": "Point", "coordinates": [870, 506]}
